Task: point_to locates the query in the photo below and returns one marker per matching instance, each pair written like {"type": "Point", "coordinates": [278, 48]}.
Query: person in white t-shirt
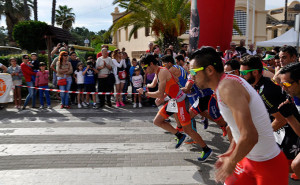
{"type": "Point", "coordinates": [79, 77]}
{"type": "Point", "coordinates": [137, 82]}
{"type": "Point", "coordinates": [3, 67]}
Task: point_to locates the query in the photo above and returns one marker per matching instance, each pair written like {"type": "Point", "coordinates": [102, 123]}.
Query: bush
{"type": "Point", "coordinates": [5, 59]}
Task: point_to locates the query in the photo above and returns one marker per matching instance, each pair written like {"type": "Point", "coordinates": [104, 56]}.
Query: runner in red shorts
{"type": "Point", "coordinates": [253, 157]}
{"type": "Point", "coordinates": [169, 86]}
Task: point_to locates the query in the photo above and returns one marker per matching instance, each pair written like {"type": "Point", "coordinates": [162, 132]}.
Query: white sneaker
{"type": "Point", "coordinates": [49, 107]}
{"type": "Point", "coordinates": [84, 104]}
{"type": "Point", "coordinates": [79, 105]}
{"type": "Point", "coordinates": [41, 107]}
{"type": "Point", "coordinates": [134, 105]}
{"type": "Point", "coordinates": [140, 105]}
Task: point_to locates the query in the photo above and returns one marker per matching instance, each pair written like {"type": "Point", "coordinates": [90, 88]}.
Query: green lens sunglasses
{"type": "Point", "coordinates": [245, 72]}
{"type": "Point", "coordinates": [193, 72]}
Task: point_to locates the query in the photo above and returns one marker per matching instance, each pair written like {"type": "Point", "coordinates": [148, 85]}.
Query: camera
{"type": "Point", "coordinates": [90, 63]}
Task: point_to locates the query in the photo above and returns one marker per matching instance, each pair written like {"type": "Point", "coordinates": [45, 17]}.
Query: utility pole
{"type": "Point", "coordinates": [285, 12]}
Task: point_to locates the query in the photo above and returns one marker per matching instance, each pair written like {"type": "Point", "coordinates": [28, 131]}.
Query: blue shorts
{"type": "Point", "coordinates": [210, 104]}
{"type": "Point", "coordinates": [134, 89]}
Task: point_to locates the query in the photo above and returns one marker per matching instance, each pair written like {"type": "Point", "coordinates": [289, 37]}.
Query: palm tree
{"type": "Point", "coordinates": [26, 10]}
{"type": "Point", "coordinates": [13, 10]}
{"type": "Point", "coordinates": [35, 10]}
{"type": "Point", "coordinates": [53, 12]}
{"type": "Point", "coordinates": [65, 17]}
{"type": "Point", "coordinates": [167, 18]}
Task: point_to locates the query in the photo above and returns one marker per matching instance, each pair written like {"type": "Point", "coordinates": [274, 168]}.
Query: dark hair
{"type": "Point", "coordinates": [277, 49]}
{"type": "Point", "coordinates": [25, 55]}
{"type": "Point", "coordinates": [72, 48]}
{"type": "Point", "coordinates": [166, 51]}
{"type": "Point", "coordinates": [42, 64]}
{"type": "Point", "coordinates": [245, 54]}
{"type": "Point", "coordinates": [206, 56]}
{"type": "Point", "coordinates": [253, 62]}
{"type": "Point", "coordinates": [182, 52]}
{"type": "Point", "coordinates": [71, 53]}
{"type": "Point", "coordinates": [290, 50]}
{"type": "Point", "coordinates": [179, 57]}
{"type": "Point", "coordinates": [167, 59]}
{"type": "Point", "coordinates": [234, 64]}
{"type": "Point", "coordinates": [148, 59]}
{"type": "Point", "coordinates": [79, 64]}
{"type": "Point", "coordinates": [134, 59]}
{"type": "Point", "coordinates": [293, 69]}
{"type": "Point", "coordinates": [277, 56]}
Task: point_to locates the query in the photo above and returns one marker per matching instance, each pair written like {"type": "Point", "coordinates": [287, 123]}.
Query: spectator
{"type": "Point", "coordinates": [148, 78]}
{"type": "Point", "coordinates": [173, 52]}
{"type": "Point", "coordinates": [35, 62]}
{"type": "Point", "coordinates": [106, 80]}
{"type": "Point", "coordinates": [64, 71]}
{"type": "Point", "coordinates": [86, 42]}
{"type": "Point", "coordinates": [3, 68]}
{"type": "Point", "coordinates": [132, 68]}
{"type": "Point", "coordinates": [137, 82]}
{"type": "Point", "coordinates": [218, 50]}
{"type": "Point", "coordinates": [168, 51]}
{"type": "Point", "coordinates": [74, 62]}
{"type": "Point", "coordinates": [251, 50]}
{"type": "Point", "coordinates": [241, 49]}
{"type": "Point", "coordinates": [28, 72]}
{"type": "Point", "coordinates": [79, 79]}
{"type": "Point", "coordinates": [151, 48]}
{"type": "Point", "coordinates": [276, 50]}
{"type": "Point", "coordinates": [120, 75]}
{"type": "Point", "coordinates": [15, 71]}
{"type": "Point", "coordinates": [232, 53]}
{"type": "Point", "coordinates": [127, 79]}
{"type": "Point", "coordinates": [89, 73]}
{"type": "Point", "coordinates": [42, 80]}
{"type": "Point", "coordinates": [277, 61]}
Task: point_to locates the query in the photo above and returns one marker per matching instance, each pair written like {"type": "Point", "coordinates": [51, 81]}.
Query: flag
{"type": "Point", "coordinates": [5, 88]}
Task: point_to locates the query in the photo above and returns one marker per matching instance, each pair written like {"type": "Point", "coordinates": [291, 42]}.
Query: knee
{"type": "Point", "coordinates": [188, 129]}
{"type": "Point", "coordinates": [296, 164]}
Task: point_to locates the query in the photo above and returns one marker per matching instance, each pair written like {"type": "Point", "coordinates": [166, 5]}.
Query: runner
{"type": "Point", "coordinates": [290, 80]}
{"type": "Point", "coordinates": [253, 156]}
{"type": "Point", "coordinates": [168, 85]}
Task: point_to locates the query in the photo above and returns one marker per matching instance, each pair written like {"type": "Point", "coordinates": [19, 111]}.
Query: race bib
{"type": "Point", "coordinates": [172, 106]}
{"type": "Point", "coordinates": [279, 135]}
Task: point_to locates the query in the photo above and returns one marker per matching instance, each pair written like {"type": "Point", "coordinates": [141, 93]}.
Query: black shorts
{"type": "Point", "coordinates": [89, 88]}
{"type": "Point", "coordinates": [80, 86]}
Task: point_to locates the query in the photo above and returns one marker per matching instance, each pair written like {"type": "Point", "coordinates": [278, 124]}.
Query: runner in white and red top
{"type": "Point", "coordinates": [253, 156]}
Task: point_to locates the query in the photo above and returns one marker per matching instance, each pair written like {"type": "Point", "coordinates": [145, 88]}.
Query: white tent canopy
{"type": "Point", "coordinates": [288, 38]}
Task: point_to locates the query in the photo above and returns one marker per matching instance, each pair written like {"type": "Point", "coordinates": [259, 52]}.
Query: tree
{"type": "Point", "coordinates": [168, 18]}
{"type": "Point", "coordinates": [53, 12]}
{"type": "Point", "coordinates": [65, 17]}
{"type": "Point", "coordinates": [13, 10]}
{"type": "Point", "coordinates": [26, 11]}
{"type": "Point", "coordinates": [30, 35]}
{"type": "Point", "coordinates": [3, 36]}
{"type": "Point", "coordinates": [35, 10]}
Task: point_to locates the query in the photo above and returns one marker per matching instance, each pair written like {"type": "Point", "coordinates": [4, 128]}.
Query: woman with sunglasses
{"type": "Point", "coordinates": [28, 72]}
{"type": "Point", "coordinates": [64, 70]}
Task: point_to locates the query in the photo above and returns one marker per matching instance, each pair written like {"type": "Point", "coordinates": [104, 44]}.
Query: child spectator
{"type": "Point", "coordinates": [79, 78]}
{"type": "Point", "coordinates": [89, 82]}
{"type": "Point", "coordinates": [137, 82]}
{"type": "Point", "coordinates": [41, 81]}
{"type": "Point", "coordinates": [132, 68]}
{"type": "Point", "coordinates": [16, 73]}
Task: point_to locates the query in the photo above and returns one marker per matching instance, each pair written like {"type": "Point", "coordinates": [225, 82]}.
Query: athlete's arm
{"type": "Point", "coordinates": [153, 83]}
{"type": "Point", "coordinates": [278, 122]}
{"type": "Point", "coordinates": [294, 123]}
{"type": "Point", "coordinates": [162, 76]}
{"type": "Point", "coordinates": [232, 92]}
{"type": "Point", "coordinates": [188, 86]}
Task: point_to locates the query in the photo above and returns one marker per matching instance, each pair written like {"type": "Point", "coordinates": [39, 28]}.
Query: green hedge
{"type": "Point", "coordinates": [5, 59]}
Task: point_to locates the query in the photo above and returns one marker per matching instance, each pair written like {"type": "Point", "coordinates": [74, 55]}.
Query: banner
{"type": "Point", "coordinates": [211, 23]}
{"type": "Point", "coordinates": [5, 88]}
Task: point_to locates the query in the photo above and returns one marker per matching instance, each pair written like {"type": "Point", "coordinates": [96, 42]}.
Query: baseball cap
{"type": "Point", "coordinates": [269, 57]}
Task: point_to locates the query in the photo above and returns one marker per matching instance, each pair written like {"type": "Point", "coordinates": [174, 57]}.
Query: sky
{"type": "Point", "coordinates": [95, 14]}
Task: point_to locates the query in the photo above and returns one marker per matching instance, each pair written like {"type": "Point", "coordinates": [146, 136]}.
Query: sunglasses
{"type": "Point", "coordinates": [287, 84]}
{"type": "Point", "coordinates": [229, 72]}
{"type": "Point", "coordinates": [26, 58]}
{"type": "Point", "coordinates": [145, 67]}
{"type": "Point", "coordinates": [65, 55]}
{"type": "Point", "coordinates": [245, 72]}
{"type": "Point", "coordinates": [193, 72]}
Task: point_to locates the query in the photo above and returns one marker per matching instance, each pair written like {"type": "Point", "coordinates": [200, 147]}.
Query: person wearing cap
{"type": "Point", "coordinates": [41, 81]}
{"type": "Point", "coordinates": [269, 60]}
{"type": "Point", "coordinates": [232, 53]}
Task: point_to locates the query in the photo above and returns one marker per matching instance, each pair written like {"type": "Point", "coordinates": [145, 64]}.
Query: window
{"type": "Point", "coordinates": [240, 17]}
{"type": "Point", "coordinates": [147, 31]}
{"type": "Point", "coordinates": [119, 35]}
{"type": "Point", "coordinates": [126, 34]}
{"type": "Point", "coordinates": [275, 33]}
{"type": "Point", "coordinates": [135, 35]}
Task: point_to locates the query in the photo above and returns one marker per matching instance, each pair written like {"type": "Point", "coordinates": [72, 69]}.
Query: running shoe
{"type": "Point", "coordinates": [62, 106]}
{"type": "Point", "coordinates": [68, 107]}
{"type": "Point", "coordinates": [122, 104]}
{"type": "Point", "coordinates": [167, 120]}
{"type": "Point", "coordinates": [179, 129]}
{"type": "Point", "coordinates": [204, 156]}
{"type": "Point", "coordinates": [49, 107]}
{"type": "Point", "coordinates": [95, 106]}
{"type": "Point", "coordinates": [190, 141]}
{"type": "Point", "coordinates": [134, 105]}
{"type": "Point", "coordinates": [224, 131]}
{"type": "Point", "coordinates": [205, 123]}
{"type": "Point", "coordinates": [41, 107]}
{"type": "Point", "coordinates": [180, 141]}
{"type": "Point", "coordinates": [84, 104]}
{"type": "Point", "coordinates": [140, 105]}
{"type": "Point", "coordinates": [79, 106]}
{"type": "Point", "coordinates": [295, 177]}
{"type": "Point", "coordinates": [117, 104]}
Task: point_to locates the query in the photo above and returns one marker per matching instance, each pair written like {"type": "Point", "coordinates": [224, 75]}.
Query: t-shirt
{"type": "Point", "coordinates": [79, 76]}
{"type": "Point", "coordinates": [89, 76]}
{"type": "Point", "coordinates": [100, 62]}
{"type": "Point", "coordinates": [137, 81]}
{"type": "Point", "coordinates": [1, 65]}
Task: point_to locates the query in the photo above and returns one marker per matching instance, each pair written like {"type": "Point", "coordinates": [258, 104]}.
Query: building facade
{"type": "Point", "coordinates": [138, 44]}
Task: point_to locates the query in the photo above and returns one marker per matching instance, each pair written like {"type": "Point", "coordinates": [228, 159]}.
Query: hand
{"type": "Point", "coordinates": [185, 90]}
{"type": "Point", "coordinates": [88, 66]}
{"type": "Point", "coordinates": [140, 90]}
{"type": "Point", "coordinates": [58, 45]}
{"type": "Point", "coordinates": [224, 168]}
{"type": "Point", "coordinates": [104, 63]}
{"type": "Point", "coordinates": [16, 74]}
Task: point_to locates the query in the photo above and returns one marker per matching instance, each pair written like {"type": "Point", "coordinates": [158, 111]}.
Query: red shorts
{"type": "Point", "coordinates": [274, 172]}
{"type": "Point", "coordinates": [183, 115]}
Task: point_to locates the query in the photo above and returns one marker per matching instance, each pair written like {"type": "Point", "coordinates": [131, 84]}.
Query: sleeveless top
{"type": "Point", "coordinates": [266, 147]}
{"type": "Point", "coordinates": [196, 91]}
{"type": "Point", "coordinates": [183, 76]}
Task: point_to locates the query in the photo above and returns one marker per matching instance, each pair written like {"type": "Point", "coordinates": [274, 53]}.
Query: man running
{"type": "Point", "coordinates": [253, 156]}
{"type": "Point", "coordinates": [168, 84]}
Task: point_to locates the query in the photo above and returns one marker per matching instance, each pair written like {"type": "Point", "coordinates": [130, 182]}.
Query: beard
{"type": "Point", "coordinates": [251, 80]}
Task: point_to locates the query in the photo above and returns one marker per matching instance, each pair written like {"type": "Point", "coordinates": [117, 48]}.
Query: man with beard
{"type": "Point", "coordinates": [290, 82]}
{"type": "Point", "coordinates": [253, 156]}
{"type": "Point", "coordinates": [272, 96]}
